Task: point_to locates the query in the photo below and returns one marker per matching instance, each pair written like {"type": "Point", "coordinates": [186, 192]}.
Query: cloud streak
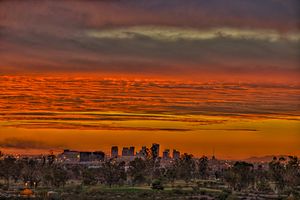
{"type": "Point", "coordinates": [173, 34]}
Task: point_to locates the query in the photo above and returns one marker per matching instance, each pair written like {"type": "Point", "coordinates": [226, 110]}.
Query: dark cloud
{"type": "Point", "coordinates": [147, 55]}
{"type": "Point", "coordinates": [43, 36]}
{"type": "Point", "coordinates": [274, 14]}
{"type": "Point", "coordinates": [19, 143]}
{"type": "Point", "coordinates": [231, 129]}
{"type": "Point", "coordinates": [87, 126]}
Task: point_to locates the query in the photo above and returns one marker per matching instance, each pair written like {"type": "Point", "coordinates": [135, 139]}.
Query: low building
{"type": "Point", "coordinates": [69, 156]}
{"type": "Point", "coordinates": [87, 156]}
{"type": "Point", "coordinates": [98, 155]}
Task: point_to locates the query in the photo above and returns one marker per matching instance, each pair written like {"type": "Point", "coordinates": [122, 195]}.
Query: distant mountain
{"type": "Point", "coordinates": [266, 158]}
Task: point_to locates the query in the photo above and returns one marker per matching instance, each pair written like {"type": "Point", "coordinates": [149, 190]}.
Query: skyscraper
{"type": "Point", "coordinates": [155, 150]}
{"type": "Point", "coordinates": [131, 151]}
{"type": "Point", "coordinates": [176, 154]}
{"type": "Point", "coordinates": [166, 154]}
{"type": "Point", "coordinates": [125, 151]}
{"type": "Point", "coordinates": [114, 151]}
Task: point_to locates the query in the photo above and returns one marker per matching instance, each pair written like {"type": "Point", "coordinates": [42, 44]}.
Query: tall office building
{"type": "Point", "coordinates": [155, 150]}
{"type": "Point", "coordinates": [143, 151]}
{"type": "Point", "coordinates": [176, 154]}
{"type": "Point", "coordinates": [114, 151]}
{"type": "Point", "coordinates": [166, 154]}
{"type": "Point", "coordinates": [125, 151]}
{"type": "Point", "coordinates": [131, 151]}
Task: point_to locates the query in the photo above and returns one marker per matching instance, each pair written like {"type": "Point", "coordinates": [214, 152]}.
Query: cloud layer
{"type": "Point", "coordinates": [126, 105]}
{"type": "Point", "coordinates": [154, 38]}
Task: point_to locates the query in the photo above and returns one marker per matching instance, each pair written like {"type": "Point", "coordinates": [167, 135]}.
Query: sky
{"type": "Point", "coordinates": [193, 75]}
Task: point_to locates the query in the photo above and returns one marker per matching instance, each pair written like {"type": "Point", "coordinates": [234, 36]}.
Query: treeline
{"type": "Point", "coordinates": [283, 173]}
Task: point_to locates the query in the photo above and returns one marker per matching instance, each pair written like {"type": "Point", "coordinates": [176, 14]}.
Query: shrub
{"type": "Point", "coordinates": [223, 196]}
{"type": "Point", "coordinates": [178, 190]}
{"type": "Point", "coordinates": [203, 192]}
{"type": "Point", "coordinates": [157, 185]}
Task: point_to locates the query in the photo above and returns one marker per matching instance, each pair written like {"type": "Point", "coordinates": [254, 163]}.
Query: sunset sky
{"type": "Point", "coordinates": [193, 75]}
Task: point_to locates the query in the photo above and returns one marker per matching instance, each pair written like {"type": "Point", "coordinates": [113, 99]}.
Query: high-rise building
{"type": "Point", "coordinates": [114, 151]}
{"type": "Point", "coordinates": [176, 154]}
{"type": "Point", "coordinates": [143, 151]}
{"type": "Point", "coordinates": [128, 151]}
{"type": "Point", "coordinates": [155, 150]}
{"type": "Point", "coordinates": [125, 151]}
{"type": "Point", "coordinates": [166, 154]}
{"type": "Point", "coordinates": [131, 151]}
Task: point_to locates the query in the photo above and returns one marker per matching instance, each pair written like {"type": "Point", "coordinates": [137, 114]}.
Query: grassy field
{"type": "Point", "coordinates": [135, 192]}
{"type": "Point", "coordinates": [180, 190]}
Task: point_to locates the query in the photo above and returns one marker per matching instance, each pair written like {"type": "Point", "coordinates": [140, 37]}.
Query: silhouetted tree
{"type": "Point", "coordinates": [277, 170]}
{"type": "Point", "coordinates": [292, 174]}
{"type": "Point", "coordinates": [262, 179]}
{"type": "Point", "coordinates": [17, 170]}
{"type": "Point", "coordinates": [47, 176]}
{"type": "Point", "coordinates": [89, 176]}
{"type": "Point", "coordinates": [113, 172]}
{"type": "Point", "coordinates": [245, 174]}
{"type": "Point", "coordinates": [231, 178]}
{"type": "Point", "coordinates": [187, 167]}
{"type": "Point", "coordinates": [60, 176]}
{"type": "Point", "coordinates": [171, 172]}
{"type": "Point", "coordinates": [7, 169]}
{"type": "Point", "coordinates": [137, 171]}
{"type": "Point", "coordinates": [203, 167]}
{"type": "Point", "coordinates": [157, 184]}
{"type": "Point", "coordinates": [32, 172]}
{"type": "Point", "coordinates": [240, 176]}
